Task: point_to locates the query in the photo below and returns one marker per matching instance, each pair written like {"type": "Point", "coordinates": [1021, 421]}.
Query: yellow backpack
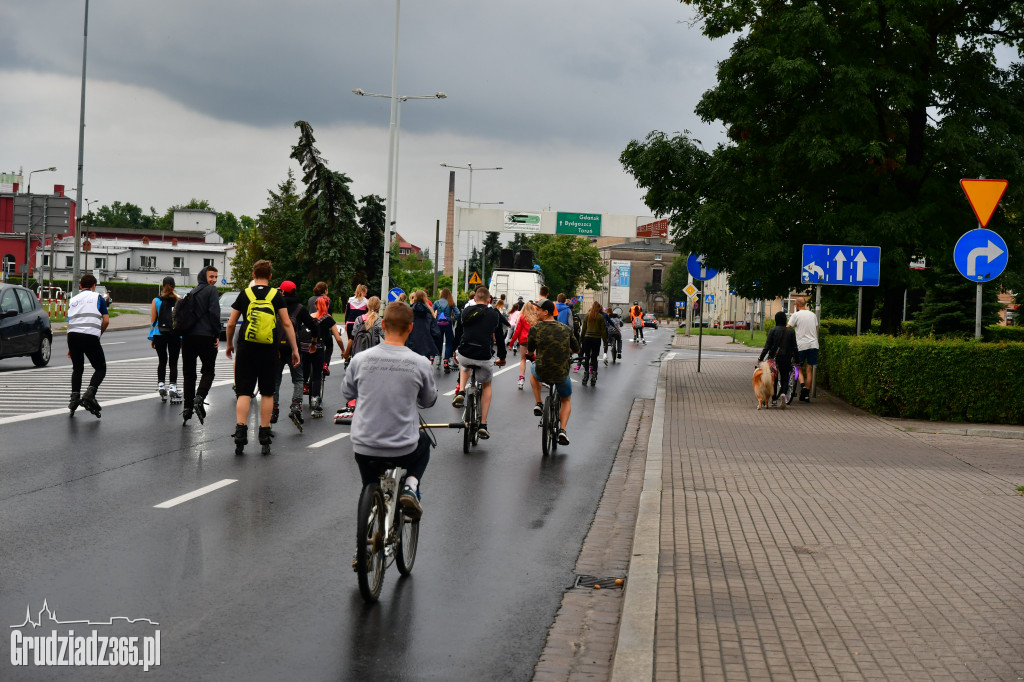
{"type": "Point", "coordinates": [260, 318]}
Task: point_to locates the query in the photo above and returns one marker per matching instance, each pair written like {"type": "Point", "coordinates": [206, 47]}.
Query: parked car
{"type": "Point", "coordinates": [650, 320]}
{"type": "Point", "coordinates": [24, 325]}
{"type": "Point", "coordinates": [105, 293]}
{"type": "Point", "coordinates": [736, 325]}
{"type": "Point", "coordinates": [226, 299]}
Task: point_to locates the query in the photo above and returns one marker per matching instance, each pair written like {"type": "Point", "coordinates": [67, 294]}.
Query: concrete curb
{"type": "Point", "coordinates": [62, 330]}
{"type": "Point", "coordinates": [957, 430]}
{"type": "Point", "coordinates": [634, 648]}
{"type": "Point", "coordinates": [680, 342]}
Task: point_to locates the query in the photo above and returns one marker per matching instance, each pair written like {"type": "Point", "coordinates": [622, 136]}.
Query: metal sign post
{"type": "Point", "coordinates": [700, 322]}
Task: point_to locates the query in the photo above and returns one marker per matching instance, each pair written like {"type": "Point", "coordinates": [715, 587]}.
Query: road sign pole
{"type": "Point", "coordinates": [813, 388]}
{"type": "Point", "coordinates": [700, 329]}
{"type": "Point", "coordinates": [977, 315]}
{"type": "Point", "coordinates": [860, 304]}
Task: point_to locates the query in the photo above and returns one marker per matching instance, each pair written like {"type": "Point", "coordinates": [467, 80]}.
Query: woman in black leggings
{"type": "Point", "coordinates": [167, 345]}
{"type": "Point", "coordinates": [595, 336]}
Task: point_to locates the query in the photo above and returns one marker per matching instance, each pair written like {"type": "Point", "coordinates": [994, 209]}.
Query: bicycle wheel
{"type": "Point", "coordinates": [475, 422]}
{"type": "Point", "coordinates": [370, 541]}
{"type": "Point", "coordinates": [553, 432]}
{"type": "Point", "coordinates": [468, 421]}
{"type": "Point", "coordinates": [408, 533]}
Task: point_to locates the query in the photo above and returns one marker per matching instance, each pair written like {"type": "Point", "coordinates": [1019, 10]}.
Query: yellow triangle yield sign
{"type": "Point", "coordinates": [984, 196]}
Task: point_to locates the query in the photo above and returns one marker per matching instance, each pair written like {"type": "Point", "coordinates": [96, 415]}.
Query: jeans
{"type": "Point", "coordinates": [167, 344]}
{"type": "Point", "coordinates": [84, 346]}
{"type": "Point", "coordinates": [296, 375]}
{"type": "Point", "coordinates": [448, 341]}
{"type": "Point", "coordinates": [204, 349]}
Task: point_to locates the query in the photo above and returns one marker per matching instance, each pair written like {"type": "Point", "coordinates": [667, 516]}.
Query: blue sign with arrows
{"type": "Point", "coordinates": [853, 266]}
{"type": "Point", "coordinates": [394, 294]}
{"type": "Point", "coordinates": [980, 255]}
{"type": "Point", "coordinates": [695, 266]}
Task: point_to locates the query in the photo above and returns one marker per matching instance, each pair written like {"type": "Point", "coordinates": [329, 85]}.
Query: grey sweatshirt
{"type": "Point", "coordinates": [389, 383]}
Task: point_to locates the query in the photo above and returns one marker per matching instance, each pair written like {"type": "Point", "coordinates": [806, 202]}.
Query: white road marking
{"type": "Point", "coordinates": [325, 441]}
{"type": "Point", "coordinates": [195, 493]}
{"type": "Point", "coordinates": [113, 343]}
{"type": "Point", "coordinates": [500, 371]}
{"type": "Point", "coordinates": [670, 356]}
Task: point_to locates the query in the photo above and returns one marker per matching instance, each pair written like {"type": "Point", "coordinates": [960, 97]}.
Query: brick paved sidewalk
{"type": "Point", "coordinates": [818, 542]}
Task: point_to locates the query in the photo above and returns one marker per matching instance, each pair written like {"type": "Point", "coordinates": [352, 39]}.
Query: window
{"type": "Point", "coordinates": [657, 256]}
{"type": "Point", "coordinates": [8, 302]}
{"type": "Point", "coordinates": [656, 277]}
{"type": "Point", "coordinates": [46, 259]}
{"type": "Point", "coordinates": [179, 261]}
{"type": "Point", "coordinates": [207, 262]}
{"type": "Point", "coordinates": [100, 263]}
{"type": "Point", "coordinates": [69, 262]}
{"type": "Point", "coordinates": [9, 264]}
{"type": "Point", "coordinates": [147, 262]}
{"type": "Point", "coordinates": [27, 300]}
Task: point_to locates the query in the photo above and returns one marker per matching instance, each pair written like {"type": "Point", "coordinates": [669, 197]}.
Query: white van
{"type": "Point", "coordinates": [516, 284]}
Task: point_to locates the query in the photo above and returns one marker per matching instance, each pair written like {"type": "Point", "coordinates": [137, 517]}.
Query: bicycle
{"type": "Point", "coordinates": [549, 421]}
{"type": "Point", "coordinates": [383, 535]}
{"type": "Point", "coordinates": [794, 383]}
{"type": "Point", "coordinates": [471, 413]}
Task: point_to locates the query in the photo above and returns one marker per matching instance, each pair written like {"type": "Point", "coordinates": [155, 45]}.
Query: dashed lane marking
{"type": "Point", "coordinates": [195, 493]}
{"type": "Point", "coordinates": [325, 441]}
{"type": "Point", "coordinates": [500, 371]}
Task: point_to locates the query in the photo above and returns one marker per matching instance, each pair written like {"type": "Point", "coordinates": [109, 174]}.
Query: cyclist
{"type": "Point", "coordinates": [636, 317]}
{"type": "Point", "coordinates": [780, 346]}
{"type": "Point", "coordinates": [390, 381]}
{"type": "Point", "coordinates": [552, 345]}
{"type": "Point", "coordinates": [481, 327]}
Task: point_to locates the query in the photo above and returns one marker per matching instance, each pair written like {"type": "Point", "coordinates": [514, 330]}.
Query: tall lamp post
{"type": "Point", "coordinates": [28, 234]}
{"type": "Point", "coordinates": [483, 255]}
{"type": "Point", "coordinates": [392, 197]}
{"type": "Point", "coordinates": [81, 148]}
{"type": "Point", "coordinates": [470, 168]}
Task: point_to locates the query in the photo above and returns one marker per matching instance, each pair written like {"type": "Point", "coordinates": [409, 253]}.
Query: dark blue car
{"type": "Point", "coordinates": [24, 325]}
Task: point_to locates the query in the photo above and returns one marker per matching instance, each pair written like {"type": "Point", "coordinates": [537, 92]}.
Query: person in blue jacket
{"type": "Point", "coordinates": [564, 311]}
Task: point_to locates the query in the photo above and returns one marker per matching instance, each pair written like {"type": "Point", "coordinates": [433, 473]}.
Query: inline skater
{"type": "Point", "coordinates": [366, 334]}
{"type": "Point", "coordinates": [354, 308]}
{"type": "Point", "coordinates": [265, 311]}
{"type": "Point", "coordinates": [552, 345]}
{"type": "Point", "coordinates": [595, 333]}
{"type": "Point", "coordinates": [166, 343]}
{"type": "Point", "coordinates": [526, 319]}
{"type": "Point", "coordinates": [302, 323]}
{"type": "Point", "coordinates": [447, 314]}
{"type": "Point", "coordinates": [87, 320]}
{"type": "Point", "coordinates": [200, 342]}
{"type": "Point", "coordinates": [636, 318]}
{"type": "Point", "coordinates": [425, 332]}
{"type": "Point", "coordinates": [324, 327]}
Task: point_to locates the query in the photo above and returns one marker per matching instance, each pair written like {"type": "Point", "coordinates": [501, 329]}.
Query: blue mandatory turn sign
{"type": "Point", "coordinates": [853, 266]}
{"type": "Point", "coordinates": [394, 294]}
{"type": "Point", "coordinates": [695, 266]}
{"type": "Point", "coordinates": [980, 255]}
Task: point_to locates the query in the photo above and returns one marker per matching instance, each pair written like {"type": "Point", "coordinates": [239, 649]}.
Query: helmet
{"type": "Point", "coordinates": [636, 302]}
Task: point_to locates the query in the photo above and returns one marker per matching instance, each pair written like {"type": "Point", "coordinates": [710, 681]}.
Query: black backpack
{"type": "Point", "coordinates": [165, 314]}
{"type": "Point", "coordinates": [185, 313]}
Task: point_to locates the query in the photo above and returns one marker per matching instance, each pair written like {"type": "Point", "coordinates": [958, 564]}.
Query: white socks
{"type": "Point", "coordinates": [412, 482]}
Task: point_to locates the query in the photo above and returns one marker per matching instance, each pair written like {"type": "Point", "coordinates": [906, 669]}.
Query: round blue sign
{"type": "Point", "coordinates": [980, 255]}
{"type": "Point", "coordinates": [695, 266]}
{"type": "Point", "coordinates": [394, 294]}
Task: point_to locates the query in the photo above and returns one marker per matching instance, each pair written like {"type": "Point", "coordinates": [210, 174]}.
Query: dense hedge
{"type": "Point", "coordinates": [940, 380]}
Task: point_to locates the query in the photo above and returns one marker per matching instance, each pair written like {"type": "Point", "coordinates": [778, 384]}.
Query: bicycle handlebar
{"type": "Point", "coordinates": [449, 425]}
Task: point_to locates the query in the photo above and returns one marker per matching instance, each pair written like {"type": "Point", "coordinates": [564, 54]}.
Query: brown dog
{"type": "Point", "coordinates": [763, 387]}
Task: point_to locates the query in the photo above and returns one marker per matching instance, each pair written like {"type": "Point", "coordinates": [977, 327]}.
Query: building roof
{"type": "Point", "coordinates": [131, 231]}
{"type": "Point", "coordinates": [640, 245]}
{"type": "Point", "coordinates": [402, 244]}
{"type": "Point", "coordinates": [128, 244]}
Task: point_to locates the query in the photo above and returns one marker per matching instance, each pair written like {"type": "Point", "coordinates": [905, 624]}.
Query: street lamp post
{"type": "Point", "coordinates": [470, 168]}
{"type": "Point", "coordinates": [28, 233]}
{"type": "Point", "coordinates": [392, 185]}
{"type": "Point", "coordinates": [81, 149]}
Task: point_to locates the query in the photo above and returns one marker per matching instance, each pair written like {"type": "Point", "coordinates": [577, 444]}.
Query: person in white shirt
{"type": "Point", "coordinates": [805, 324]}
{"type": "Point", "coordinates": [87, 320]}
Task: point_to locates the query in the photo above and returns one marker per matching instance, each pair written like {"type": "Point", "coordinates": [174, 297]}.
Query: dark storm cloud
{"type": "Point", "coordinates": [600, 71]}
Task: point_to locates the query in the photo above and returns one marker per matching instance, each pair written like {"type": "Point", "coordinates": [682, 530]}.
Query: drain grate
{"type": "Point", "coordinates": [590, 582]}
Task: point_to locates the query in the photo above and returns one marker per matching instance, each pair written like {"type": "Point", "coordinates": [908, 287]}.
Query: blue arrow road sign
{"type": "Point", "coordinates": [980, 255]}
{"type": "Point", "coordinates": [854, 266]}
{"type": "Point", "coordinates": [394, 294]}
{"type": "Point", "coordinates": [695, 266]}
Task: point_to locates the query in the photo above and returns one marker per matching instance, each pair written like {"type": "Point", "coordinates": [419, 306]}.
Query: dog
{"type": "Point", "coordinates": [763, 384]}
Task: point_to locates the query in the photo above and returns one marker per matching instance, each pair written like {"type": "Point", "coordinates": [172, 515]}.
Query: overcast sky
{"type": "Point", "coordinates": [197, 98]}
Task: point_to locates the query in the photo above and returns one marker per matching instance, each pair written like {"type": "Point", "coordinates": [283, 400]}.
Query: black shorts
{"type": "Point", "coordinates": [255, 365]}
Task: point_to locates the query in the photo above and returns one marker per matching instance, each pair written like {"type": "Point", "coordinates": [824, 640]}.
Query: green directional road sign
{"type": "Point", "coordinates": [583, 224]}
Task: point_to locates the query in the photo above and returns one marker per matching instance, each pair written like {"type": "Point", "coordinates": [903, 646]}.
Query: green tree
{"type": "Point", "coordinates": [371, 215]}
{"type": "Point", "coordinates": [332, 245]}
{"type": "Point", "coordinates": [569, 263]}
{"type": "Point", "coordinates": [228, 226]}
{"type": "Point", "coordinates": [121, 216]}
{"type": "Point", "coordinates": [949, 305]}
{"type": "Point", "coordinates": [492, 250]}
{"type": "Point", "coordinates": [848, 123]}
{"type": "Point", "coordinates": [676, 280]}
{"type": "Point", "coordinates": [411, 272]}
{"type": "Point", "coordinates": [275, 235]}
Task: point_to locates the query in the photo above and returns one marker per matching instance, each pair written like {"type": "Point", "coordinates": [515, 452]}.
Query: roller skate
{"type": "Point", "coordinates": [89, 402]}
{"type": "Point", "coordinates": [200, 408]}
{"type": "Point", "coordinates": [295, 414]}
{"type": "Point", "coordinates": [521, 381]}
{"type": "Point", "coordinates": [447, 367]}
{"type": "Point", "coordinates": [266, 436]}
{"type": "Point", "coordinates": [586, 376]}
{"type": "Point", "coordinates": [344, 415]}
{"type": "Point", "coordinates": [241, 437]}
{"type": "Point", "coordinates": [174, 394]}
{"type": "Point", "coordinates": [162, 390]}
{"type": "Point", "coordinates": [76, 400]}
{"type": "Point", "coordinates": [593, 376]}
{"type": "Point", "coordinates": [316, 407]}
{"type": "Point", "coordinates": [274, 414]}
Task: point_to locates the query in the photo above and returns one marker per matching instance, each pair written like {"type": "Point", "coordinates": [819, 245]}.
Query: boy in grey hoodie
{"type": "Point", "coordinates": [390, 381]}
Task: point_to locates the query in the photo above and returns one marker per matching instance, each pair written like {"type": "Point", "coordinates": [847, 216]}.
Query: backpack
{"type": "Point", "coordinates": [184, 314]}
{"type": "Point", "coordinates": [365, 337]}
{"type": "Point", "coordinates": [260, 318]}
{"type": "Point", "coordinates": [442, 319]}
{"type": "Point", "coordinates": [165, 314]}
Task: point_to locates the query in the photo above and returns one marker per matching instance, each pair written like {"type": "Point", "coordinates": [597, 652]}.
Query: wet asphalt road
{"type": "Point", "coordinates": [253, 581]}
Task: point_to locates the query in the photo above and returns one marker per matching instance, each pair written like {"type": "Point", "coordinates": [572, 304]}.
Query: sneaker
{"type": "Point", "coordinates": [563, 439]}
{"type": "Point", "coordinates": [482, 432]}
{"type": "Point", "coordinates": [538, 409]}
{"type": "Point", "coordinates": [459, 399]}
{"type": "Point", "coordinates": [409, 500]}
{"type": "Point", "coordinates": [522, 380]}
